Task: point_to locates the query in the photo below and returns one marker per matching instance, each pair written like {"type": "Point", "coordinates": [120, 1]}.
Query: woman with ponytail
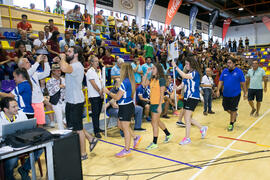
{"type": "Point", "coordinates": [124, 98]}
{"type": "Point", "coordinates": [23, 92]}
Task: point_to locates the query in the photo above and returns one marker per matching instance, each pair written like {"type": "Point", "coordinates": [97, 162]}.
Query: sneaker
{"type": "Point", "coordinates": [203, 131]}
{"type": "Point", "coordinates": [252, 112]}
{"type": "Point", "coordinates": [152, 146]}
{"type": "Point", "coordinates": [205, 113]}
{"type": "Point", "coordinates": [52, 124]}
{"type": "Point", "coordinates": [230, 127]}
{"type": "Point", "coordinates": [256, 114]}
{"type": "Point", "coordinates": [84, 157]}
{"type": "Point", "coordinates": [180, 123]}
{"type": "Point", "coordinates": [97, 135]}
{"type": "Point", "coordinates": [101, 130]}
{"type": "Point", "coordinates": [139, 129]}
{"type": "Point", "coordinates": [24, 174]}
{"type": "Point", "coordinates": [185, 141]}
{"type": "Point", "coordinates": [137, 141]}
{"type": "Point", "coordinates": [211, 112]}
{"type": "Point", "coordinates": [166, 116]}
{"type": "Point", "coordinates": [168, 138]}
{"type": "Point", "coordinates": [93, 144]}
{"type": "Point", "coordinates": [123, 153]}
{"type": "Point", "coordinates": [176, 113]}
{"type": "Point", "coordinates": [148, 119]}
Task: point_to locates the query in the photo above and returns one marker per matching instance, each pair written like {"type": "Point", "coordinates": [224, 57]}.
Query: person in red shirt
{"type": "Point", "coordinates": [53, 45]}
{"type": "Point", "coordinates": [52, 26]}
{"type": "Point", "coordinates": [24, 25]}
{"type": "Point", "coordinates": [108, 62]}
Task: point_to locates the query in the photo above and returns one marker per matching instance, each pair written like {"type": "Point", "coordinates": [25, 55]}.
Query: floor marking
{"type": "Point", "coordinates": [237, 139]}
{"type": "Point", "coordinates": [263, 145]}
{"type": "Point", "coordinates": [221, 147]}
{"type": "Point", "coordinates": [224, 150]}
{"type": "Point", "coordinates": [179, 162]}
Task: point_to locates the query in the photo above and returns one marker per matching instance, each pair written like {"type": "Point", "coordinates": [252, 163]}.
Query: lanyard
{"type": "Point", "coordinates": [11, 120]}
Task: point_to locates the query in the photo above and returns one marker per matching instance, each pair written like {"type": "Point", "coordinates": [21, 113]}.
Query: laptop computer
{"type": "Point", "coordinates": [12, 128]}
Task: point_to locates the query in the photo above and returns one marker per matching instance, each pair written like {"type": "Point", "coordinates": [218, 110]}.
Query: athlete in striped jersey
{"type": "Point", "coordinates": [191, 82]}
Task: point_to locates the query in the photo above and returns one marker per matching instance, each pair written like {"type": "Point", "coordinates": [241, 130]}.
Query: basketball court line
{"type": "Point", "coordinates": [157, 156]}
{"type": "Point", "coordinates": [228, 147]}
{"type": "Point", "coordinates": [221, 147]}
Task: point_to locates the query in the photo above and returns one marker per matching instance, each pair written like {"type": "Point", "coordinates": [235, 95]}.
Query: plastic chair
{"type": "Point", "coordinates": [6, 34]}
{"type": "Point", "coordinates": [5, 45]}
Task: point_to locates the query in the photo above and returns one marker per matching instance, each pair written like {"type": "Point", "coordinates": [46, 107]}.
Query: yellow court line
{"type": "Point", "coordinates": [263, 145]}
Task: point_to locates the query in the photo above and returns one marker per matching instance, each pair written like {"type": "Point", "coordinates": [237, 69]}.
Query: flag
{"type": "Point", "coordinates": [266, 21]}
{"type": "Point", "coordinates": [171, 11]}
{"type": "Point", "coordinates": [149, 4]}
{"type": "Point", "coordinates": [212, 22]}
{"type": "Point", "coordinates": [95, 5]}
{"type": "Point", "coordinates": [192, 16]}
{"type": "Point", "coordinates": [173, 51]}
{"type": "Point", "coordinates": [226, 26]}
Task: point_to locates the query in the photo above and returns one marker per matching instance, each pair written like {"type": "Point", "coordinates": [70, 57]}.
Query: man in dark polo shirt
{"type": "Point", "coordinates": [232, 78]}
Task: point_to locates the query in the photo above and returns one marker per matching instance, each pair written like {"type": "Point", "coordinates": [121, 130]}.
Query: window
{"type": "Point", "coordinates": [39, 5]}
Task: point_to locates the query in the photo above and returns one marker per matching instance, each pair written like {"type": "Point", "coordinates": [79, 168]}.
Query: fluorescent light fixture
{"type": "Point", "coordinates": [252, 16]}
{"type": "Point", "coordinates": [241, 9]}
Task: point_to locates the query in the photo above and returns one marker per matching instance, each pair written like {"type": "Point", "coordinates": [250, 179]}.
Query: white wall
{"type": "Point", "coordinates": [257, 33]}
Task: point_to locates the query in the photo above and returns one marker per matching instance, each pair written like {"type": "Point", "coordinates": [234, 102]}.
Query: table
{"type": "Point", "coordinates": [49, 156]}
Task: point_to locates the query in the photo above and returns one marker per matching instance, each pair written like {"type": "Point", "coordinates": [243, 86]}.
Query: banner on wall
{"type": "Point", "coordinates": [95, 5]}
{"type": "Point", "coordinates": [213, 21]}
{"type": "Point", "coordinates": [192, 16]}
{"type": "Point", "coordinates": [105, 2]}
{"type": "Point", "coordinates": [226, 26]}
{"type": "Point", "coordinates": [149, 4]}
{"type": "Point", "coordinates": [266, 21]}
{"type": "Point", "coordinates": [171, 11]}
{"type": "Point", "coordinates": [173, 51]}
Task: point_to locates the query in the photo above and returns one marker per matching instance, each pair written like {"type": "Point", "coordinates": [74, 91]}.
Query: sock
{"type": "Point", "coordinates": [166, 132]}
{"type": "Point", "coordinates": [155, 140]}
{"type": "Point", "coordinates": [231, 123]}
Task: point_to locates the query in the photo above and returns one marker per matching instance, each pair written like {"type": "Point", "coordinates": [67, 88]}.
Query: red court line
{"type": "Point", "coordinates": [237, 139]}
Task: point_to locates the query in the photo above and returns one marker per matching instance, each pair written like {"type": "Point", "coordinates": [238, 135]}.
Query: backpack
{"type": "Point", "coordinates": [28, 137]}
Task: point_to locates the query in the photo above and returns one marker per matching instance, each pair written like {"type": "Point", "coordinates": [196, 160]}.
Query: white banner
{"type": "Point", "coordinates": [173, 51]}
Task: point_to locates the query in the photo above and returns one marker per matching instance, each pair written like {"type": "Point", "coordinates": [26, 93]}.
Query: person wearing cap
{"type": "Point", "coordinates": [115, 72]}
{"type": "Point", "coordinates": [56, 89]}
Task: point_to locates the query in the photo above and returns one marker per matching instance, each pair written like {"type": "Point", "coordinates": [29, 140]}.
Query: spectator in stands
{"type": "Point", "coordinates": [143, 99]}
{"type": "Point", "coordinates": [137, 70]}
{"type": "Point", "coordinates": [74, 72]}
{"type": "Point", "coordinates": [234, 46]}
{"type": "Point", "coordinates": [134, 25]}
{"type": "Point", "coordinates": [87, 40]}
{"type": "Point", "coordinates": [125, 23]}
{"type": "Point", "coordinates": [113, 109]}
{"type": "Point", "coordinates": [56, 89]}
{"type": "Point", "coordinates": [35, 76]}
{"type": "Point", "coordinates": [47, 9]}
{"type": "Point", "coordinates": [32, 6]}
{"type": "Point", "coordinates": [97, 33]}
{"type": "Point", "coordinates": [247, 44]}
{"type": "Point", "coordinates": [52, 26]}
{"type": "Point", "coordinates": [47, 33]}
{"type": "Point", "coordinates": [95, 93]}
{"type": "Point", "coordinates": [28, 44]}
{"type": "Point", "coordinates": [146, 65]}
{"type": "Point", "coordinates": [10, 113]}
{"type": "Point", "coordinates": [73, 16]}
{"type": "Point", "coordinates": [53, 45]}
{"type": "Point", "coordinates": [207, 84]}
{"type": "Point", "coordinates": [86, 19]}
{"type": "Point", "coordinates": [115, 73]}
{"type": "Point", "coordinates": [24, 25]}
{"type": "Point", "coordinates": [100, 20]}
{"type": "Point", "coordinates": [23, 92]}
{"type": "Point", "coordinates": [108, 62]}
{"type": "Point", "coordinates": [58, 9]}
{"type": "Point", "coordinates": [67, 41]}
{"type": "Point", "coordinates": [6, 66]}
{"type": "Point", "coordinates": [22, 53]}
{"type": "Point", "coordinates": [131, 45]}
{"type": "Point", "coordinates": [148, 49]}
{"type": "Point", "coordinates": [40, 44]}
{"type": "Point", "coordinates": [80, 34]}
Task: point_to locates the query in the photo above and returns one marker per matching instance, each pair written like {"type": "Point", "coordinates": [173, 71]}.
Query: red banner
{"type": "Point", "coordinates": [171, 11]}
{"type": "Point", "coordinates": [95, 5]}
{"type": "Point", "coordinates": [226, 26]}
{"type": "Point", "coordinates": [266, 21]}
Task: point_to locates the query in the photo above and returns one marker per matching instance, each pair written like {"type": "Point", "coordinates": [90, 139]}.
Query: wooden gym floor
{"type": "Point", "coordinates": [209, 158]}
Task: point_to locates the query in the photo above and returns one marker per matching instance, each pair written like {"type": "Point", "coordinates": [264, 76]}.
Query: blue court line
{"type": "Point", "coordinates": [179, 162]}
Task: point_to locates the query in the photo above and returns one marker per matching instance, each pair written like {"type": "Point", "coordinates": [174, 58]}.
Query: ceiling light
{"type": "Point", "coordinates": [241, 9]}
{"type": "Point", "coordinates": [210, 14]}
{"type": "Point", "coordinates": [252, 16]}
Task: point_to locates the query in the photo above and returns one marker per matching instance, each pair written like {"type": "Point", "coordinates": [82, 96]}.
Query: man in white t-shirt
{"type": "Point", "coordinates": [40, 44]}
{"type": "Point", "coordinates": [207, 85]}
{"type": "Point", "coordinates": [74, 70]}
{"type": "Point", "coordinates": [87, 40]}
{"type": "Point", "coordinates": [10, 114]}
{"type": "Point", "coordinates": [95, 94]}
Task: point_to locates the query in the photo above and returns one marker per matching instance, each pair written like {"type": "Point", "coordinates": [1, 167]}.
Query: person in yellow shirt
{"type": "Point", "coordinates": [111, 21]}
{"type": "Point", "coordinates": [157, 89]}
